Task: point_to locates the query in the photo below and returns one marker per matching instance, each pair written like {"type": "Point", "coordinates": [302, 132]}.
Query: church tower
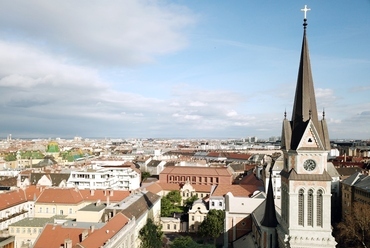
{"type": "Point", "coordinates": [305, 183]}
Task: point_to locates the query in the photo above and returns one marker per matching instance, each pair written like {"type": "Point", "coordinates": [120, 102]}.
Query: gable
{"type": "Point", "coordinates": [310, 138]}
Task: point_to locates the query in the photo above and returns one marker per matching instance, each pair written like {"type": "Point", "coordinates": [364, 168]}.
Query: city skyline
{"type": "Point", "coordinates": [183, 69]}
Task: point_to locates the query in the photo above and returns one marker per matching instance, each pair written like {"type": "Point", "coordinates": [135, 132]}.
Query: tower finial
{"type": "Point", "coordinates": [285, 114]}
{"type": "Point", "coordinates": [305, 9]}
{"type": "Point", "coordinates": [323, 113]}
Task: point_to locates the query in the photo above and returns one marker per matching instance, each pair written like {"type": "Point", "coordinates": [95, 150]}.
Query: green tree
{"type": "Point", "coordinates": [151, 235]}
{"type": "Point", "coordinates": [171, 203]}
{"type": "Point", "coordinates": [213, 225]}
{"type": "Point", "coordinates": [188, 242]}
{"type": "Point", "coordinates": [167, 208]}
{"type": "Point", "coordinates": [174, 196]}
{"type": "Point", "coordinates": [144, 175]}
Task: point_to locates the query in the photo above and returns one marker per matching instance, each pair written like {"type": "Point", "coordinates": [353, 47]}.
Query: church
{"type": "Point", "coordinates": [304, 218]}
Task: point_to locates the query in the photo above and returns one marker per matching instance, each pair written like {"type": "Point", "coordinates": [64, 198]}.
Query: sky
{"type": "Point", "coordinates": [178, 68]}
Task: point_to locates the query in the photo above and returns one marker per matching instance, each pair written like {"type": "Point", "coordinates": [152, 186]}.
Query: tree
{"type": "Point", "coordinates": [354, 230]}
{"type": "Point", "coordinates": [167, 207]}
{"type": "Point", "coordinates": [144, 175]}
{"type": "Point", "coordinates": [188, 242]}
{"type": "Point", "coordinates": [174, 196]}
{"type": "Point", "coordinates": [170, 203]}
{"type": "Point", "coordinates": [151, 235]}
{"type": "Point", "coordinates": [213, 225]}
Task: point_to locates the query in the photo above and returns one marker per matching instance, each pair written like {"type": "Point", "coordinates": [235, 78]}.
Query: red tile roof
{"type": "Point", "coordinates": [60, 195]}
{"type": "Point", "coordinates": [12, 198]}
{"type": "Point", "coordinates": [100, 194]}
{"type": "Point", "coordinates": [154, 187]}
{"type": "Point", "coordinates": [33, 192]}
{"type": "Point", "coordinates": [251, 179]}
{"type": "Point", "coordinates": [197, 171]}
{"type": "Point", "coordinates": [53, 236]}
{"type": "Point", "coordinates": [99, 237]}
{"type": "Point", "coordinates": [236, 190]}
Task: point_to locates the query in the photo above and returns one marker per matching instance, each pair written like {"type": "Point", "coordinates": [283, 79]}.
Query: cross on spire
{"type": "Point", "coordinates": [305, 9]}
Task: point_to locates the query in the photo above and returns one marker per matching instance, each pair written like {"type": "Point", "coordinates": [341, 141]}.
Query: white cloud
{"type": "Point", "coordinates": [99, 32]}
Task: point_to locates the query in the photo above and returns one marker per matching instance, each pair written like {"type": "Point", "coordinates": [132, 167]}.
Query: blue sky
{"type": "Point", "coordinates": [180, 68]}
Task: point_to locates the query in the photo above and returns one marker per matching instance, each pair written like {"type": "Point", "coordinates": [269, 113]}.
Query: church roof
{"type": "Point", "coordinates": [304, 108]}
{"type": "Point", "coordinates": [269, 218]}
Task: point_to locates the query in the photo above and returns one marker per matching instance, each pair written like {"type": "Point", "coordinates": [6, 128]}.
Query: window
{"type": "Point", "coordinates": [220, 204]}
{"type": "Point", "coordinates": [310, 208]}
{"type": "Point", "coordinates": [168, 226]}
{"type": "Point", "coordinates": [300, 207]}
{"type": "Point", "coordinates": [53, 210]}
{"type": "Point", "coordinates": [174, 226]}
{"type": "Point", "coordinates": [40, 210]}
{"type": "Point", "coordinates": [319, 208]}
{"type": "Point", "coordinates": [213, 204]}
{"type": "Point", "coordinates": [17, 229]}
{"type": "Point", "coordinates": [192, 217]}
{"type": "Point", "coordinates": [70, 211]}
{"type": "Point", "coordinates": [61, 212]}
{"type": "Point", "coordinates": [47, 210]}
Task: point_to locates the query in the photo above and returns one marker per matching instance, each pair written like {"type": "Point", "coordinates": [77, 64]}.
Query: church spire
{"type": "Point", "coordinates": [304, 100]}
{"type": "Point", "coordinates": [269, 219]}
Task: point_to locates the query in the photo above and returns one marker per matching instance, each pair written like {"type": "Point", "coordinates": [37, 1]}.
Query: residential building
{"type": "Point", "coordinates": [13, 207]}
{"type": "Point", "coordinates": [197, 213]}
{"type": "Point", "coordinates": [107, 177]}
{"type": "Point", "coordinates": [355, 188]}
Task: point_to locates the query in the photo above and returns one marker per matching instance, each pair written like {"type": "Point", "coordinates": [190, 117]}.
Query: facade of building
{"type": "Point", "coordinates": [355, 189]}
{"type": "Point", "coordinates": [112, 177]}
{"type": "Point", "coordinates": [196, 175]}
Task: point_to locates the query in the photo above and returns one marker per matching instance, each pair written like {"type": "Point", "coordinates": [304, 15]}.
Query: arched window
{"type": "Point", "coordinates": [319, 208]}
{"type": "Point", "coordinates": [310, 208]}
{"type": "Point", "coordinates": [301, 207]}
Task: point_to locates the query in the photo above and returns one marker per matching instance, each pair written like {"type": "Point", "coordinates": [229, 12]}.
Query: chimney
{"type": "Point", "coordinates": [67, 243]}
{"type": "Point", "coordinates": [84, 235]}
{"type": "Point", "coordinates": [92, 228]}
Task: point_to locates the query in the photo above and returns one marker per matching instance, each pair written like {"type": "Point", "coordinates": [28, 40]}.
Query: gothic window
{"type": "Point", "coordinates": [300, 207]}
{"type": "Point", "coordinates": [319, 208]}
{"type": "Point", "coordinates": [310, 208]}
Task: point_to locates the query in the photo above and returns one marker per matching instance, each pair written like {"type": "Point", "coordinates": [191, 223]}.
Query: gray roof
{"type": "Point", "coordinates": [56, 178]}
{"type": "Point", "coordinates": [94, 207]}
{"type": "Point", "coordinates": [37, 222]}
{"type": "Point", "coordinates": [304, 107]}
{"type": "Point", "coordinates": [33, 222]}
{"type": "Point", "coordinates": [293, 175]}
{"type": "Point", "coordinates": [359, 181]}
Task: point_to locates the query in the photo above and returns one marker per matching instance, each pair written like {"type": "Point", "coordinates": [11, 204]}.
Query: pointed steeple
{"type": "Point", "coordinates": [269, 219]}
{"type": "Point", "coordinates": [304, 107]}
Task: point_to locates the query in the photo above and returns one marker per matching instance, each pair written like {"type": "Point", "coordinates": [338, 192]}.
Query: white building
{"type": "Point", "coordinates": [112, 177]}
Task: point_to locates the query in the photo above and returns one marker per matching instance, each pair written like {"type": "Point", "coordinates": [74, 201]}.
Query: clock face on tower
{"type": "Point", "coordinates": [309, 165]}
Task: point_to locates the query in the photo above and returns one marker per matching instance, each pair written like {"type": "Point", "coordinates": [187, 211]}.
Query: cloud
{"type": "Point", "coordinates": [98, 32]}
